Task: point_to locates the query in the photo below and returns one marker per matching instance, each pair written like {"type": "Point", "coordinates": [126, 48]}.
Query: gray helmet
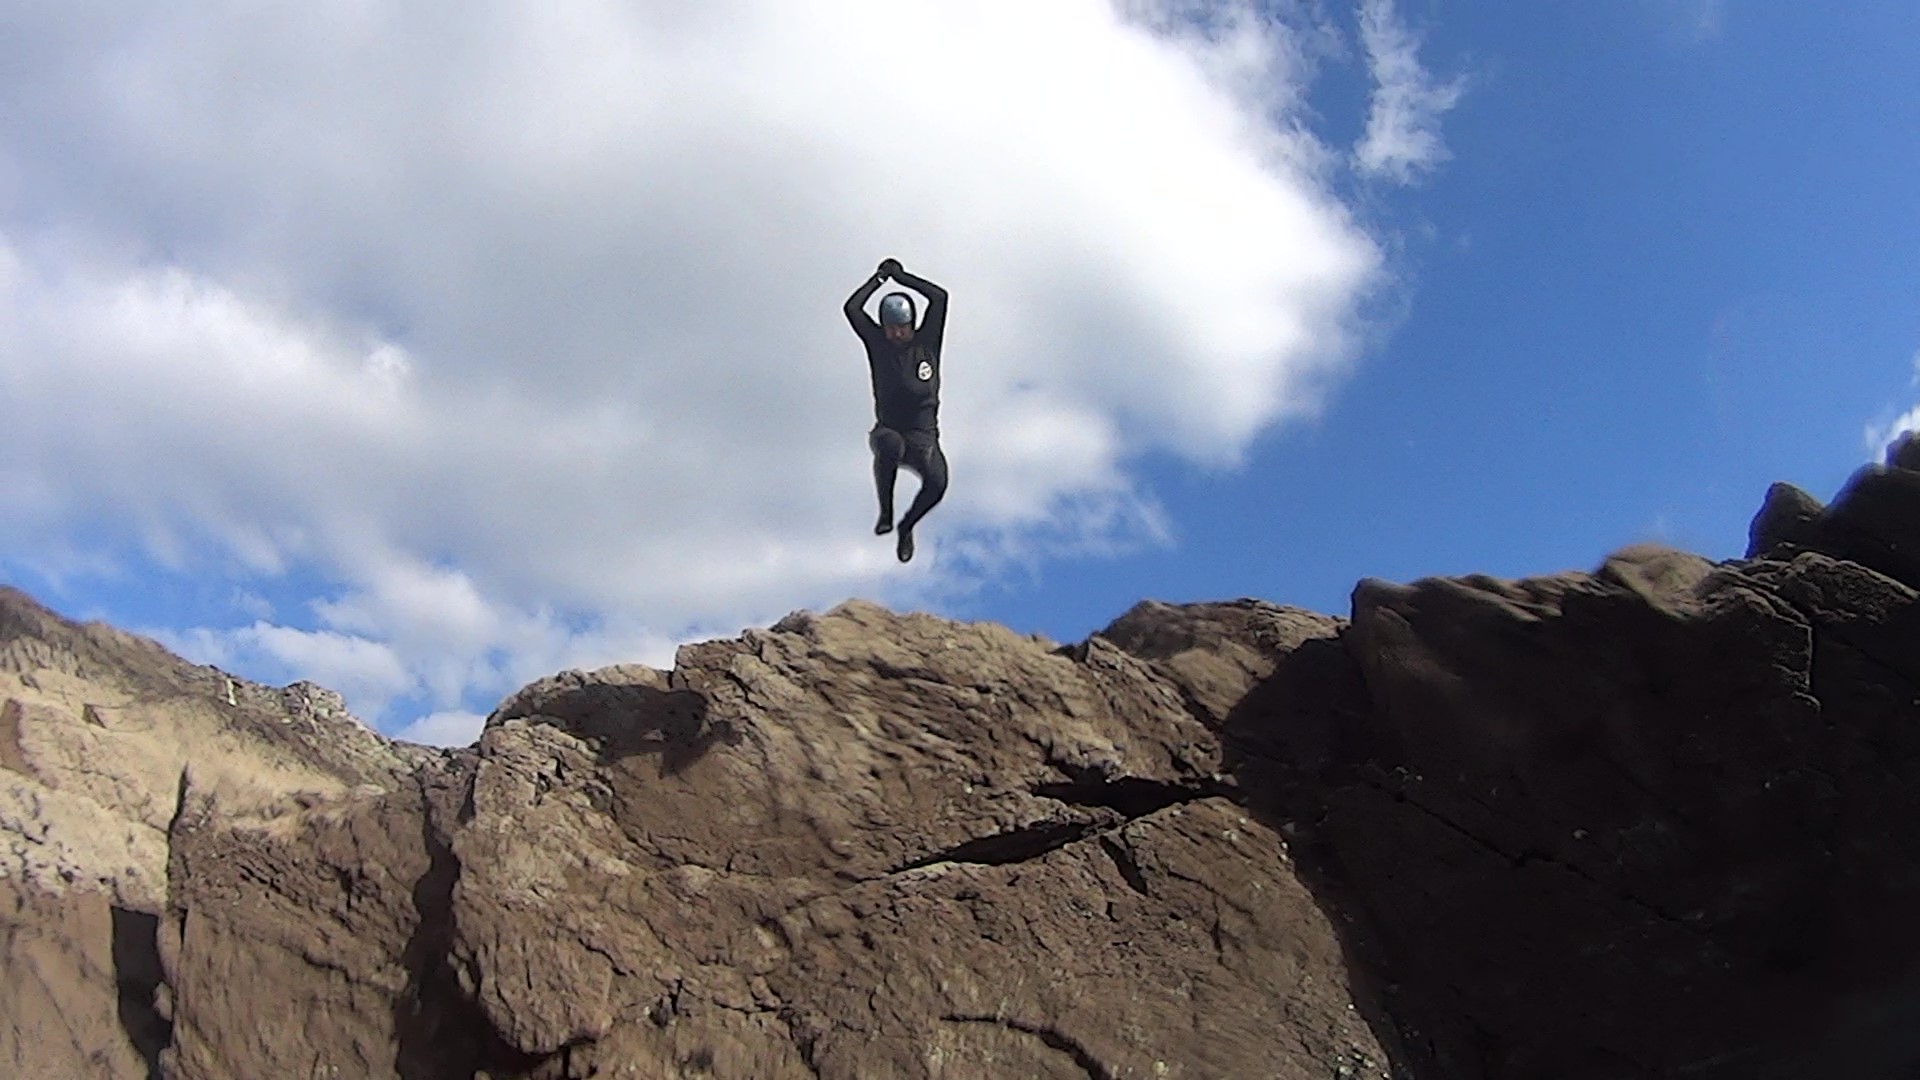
{"type": "Point", "coordinates": [896, 309]}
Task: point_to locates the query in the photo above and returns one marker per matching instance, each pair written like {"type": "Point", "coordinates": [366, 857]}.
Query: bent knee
{"type": "Point", "coordinates": [887, 443]}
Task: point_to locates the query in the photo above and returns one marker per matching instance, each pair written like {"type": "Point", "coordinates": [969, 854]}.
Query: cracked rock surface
{"type": "Point", "coordinates": [1655, 820]}
{"type": "Point", "coordinates": [856, 844]}
{"type": "Point", "coordinates": [100, 732]}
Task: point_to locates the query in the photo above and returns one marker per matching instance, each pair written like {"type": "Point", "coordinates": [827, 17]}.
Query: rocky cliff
{"type": "Point", "coordinates": [101, 736]}
{"type": "Point", "coordinates": [1657, 820]}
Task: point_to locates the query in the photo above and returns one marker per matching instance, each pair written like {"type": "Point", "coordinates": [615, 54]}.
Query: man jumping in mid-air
{"type": "Point", "coordinates": [905, 364]}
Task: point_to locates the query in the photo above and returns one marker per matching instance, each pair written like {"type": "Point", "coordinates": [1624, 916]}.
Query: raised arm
{"type": "Point", "coordinates": [936, 321]}
{"type": "Point", "coordinates": [856, 308]}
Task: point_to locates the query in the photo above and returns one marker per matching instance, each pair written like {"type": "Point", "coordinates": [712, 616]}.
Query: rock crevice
{"type": "Point", "coordinates": [1654, 820]}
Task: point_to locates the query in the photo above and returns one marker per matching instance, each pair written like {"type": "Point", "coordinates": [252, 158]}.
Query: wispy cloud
{"type": "Point", "coordinates": [367, 673]}
{"type": "Point", "coordinates": [454, 727]}
{"type": "Point", "coordinates": [1875, 437]}
{"type": "Point", "coordinates": [1402, 139]}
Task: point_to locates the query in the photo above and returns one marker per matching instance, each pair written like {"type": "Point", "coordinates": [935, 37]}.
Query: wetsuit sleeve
{"type": "Point", "coordinates": [936, 321]}
{"type": "Point", "coordinates": [856, 305]}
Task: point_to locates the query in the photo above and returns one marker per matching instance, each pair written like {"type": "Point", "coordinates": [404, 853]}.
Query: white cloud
{"type": "Point", "coordinates": [518, 328]}
{"type": "Point", "coordinates": [251, 604]}
{"type": "Point", "coordinates": [367, 673]}
{"type": "Point", "coordinates": [451, 728]}
{"type": "Point", "coordinates": [405, 664]}
{"type": "Point", "coordinates": [1402, 139]}
{"type": "Point", "coordinates": [1875, 438]}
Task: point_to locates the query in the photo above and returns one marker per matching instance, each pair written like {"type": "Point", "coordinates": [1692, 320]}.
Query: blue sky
{"type": "Point", "coordinates": [1674, 257]}
{"type": "Point", "coordinates": [424, 359]}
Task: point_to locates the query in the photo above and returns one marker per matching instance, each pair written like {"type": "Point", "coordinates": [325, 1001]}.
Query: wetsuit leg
{"type": "Point", "coordinates": [924, 457]}
{"type": "Point", "coordinates": [888, 449]}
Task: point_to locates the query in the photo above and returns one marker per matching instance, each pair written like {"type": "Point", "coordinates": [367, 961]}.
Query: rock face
{"type": "Point", "coordinates": [1656, 820]}
{"type": "Point", "coordinates": [861, 844]}
{"type": "Point", "coordinates": [101, 735]}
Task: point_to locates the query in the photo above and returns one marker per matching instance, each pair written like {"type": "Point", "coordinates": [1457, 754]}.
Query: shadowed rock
{"type": "Point", "coordinates": [1655, 820]}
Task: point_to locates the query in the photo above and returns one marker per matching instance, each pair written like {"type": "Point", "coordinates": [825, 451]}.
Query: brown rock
{"type": "Point", "coordinates": [1874, 521]}
{"type": "Point", "coordinates": [859, 845]}
{"type": "Point", "coordinates": [78, 996]}
{"type": "Point", "coordinates": [1618, 824]}
{"type": "Point", "coordinates": [1904, 451]}
{"type": "Point", "coordinates": [97, 730]}
{"type": "Point", "coordinates": [1649, 821]}
{"type": "Point", "coordinates": [1788, 520]}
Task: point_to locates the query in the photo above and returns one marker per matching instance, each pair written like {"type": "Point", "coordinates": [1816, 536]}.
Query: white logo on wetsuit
{"type": "Point", "coordinates": [926, 371]}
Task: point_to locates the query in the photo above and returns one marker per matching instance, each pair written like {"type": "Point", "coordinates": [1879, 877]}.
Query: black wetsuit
{"type": "Point", "coordinates": [906, 402]}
